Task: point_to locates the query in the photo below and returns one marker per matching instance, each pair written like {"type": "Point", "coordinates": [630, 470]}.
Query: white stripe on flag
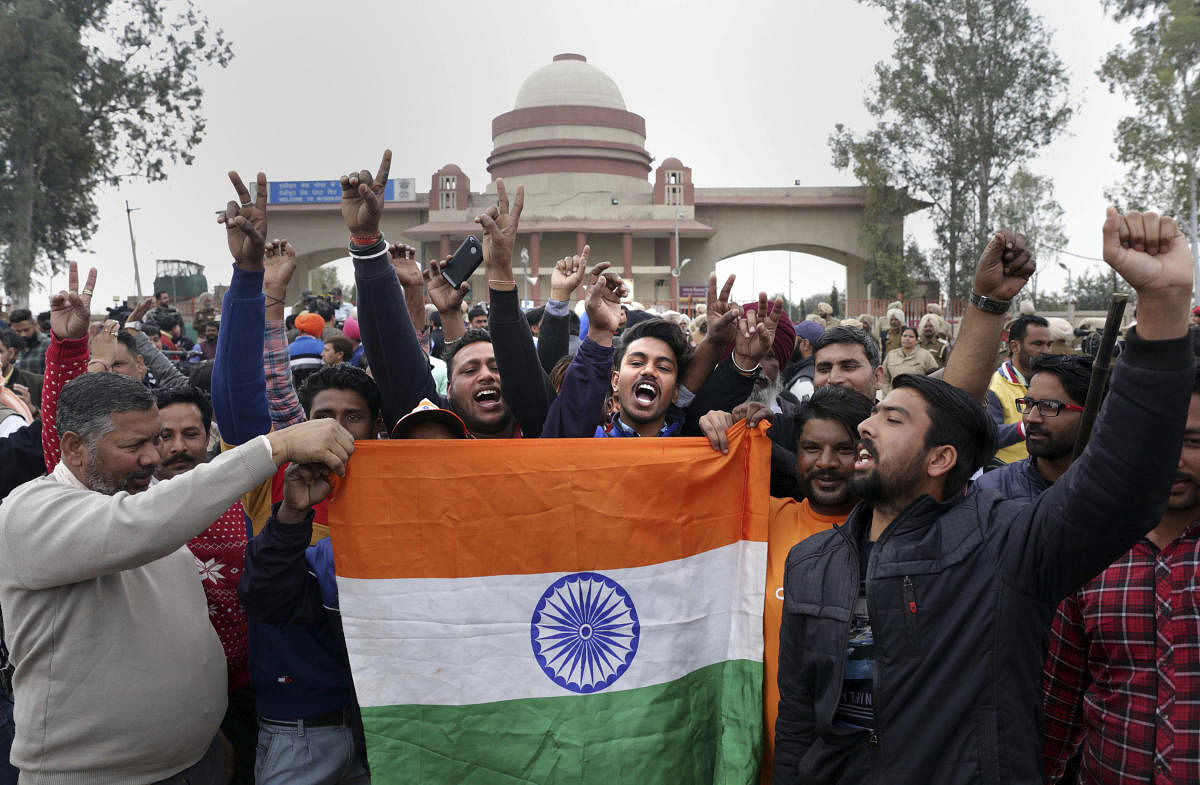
{"type": "Point", "coordinates": [462, 641]}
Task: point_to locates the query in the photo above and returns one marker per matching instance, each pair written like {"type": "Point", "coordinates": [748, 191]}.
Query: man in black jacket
{"type": "Point", "coordinates": [913, 636]}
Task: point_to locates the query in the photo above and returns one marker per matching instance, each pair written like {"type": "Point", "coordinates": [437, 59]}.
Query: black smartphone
{"type": "Point", "coordinates": [465, 261]}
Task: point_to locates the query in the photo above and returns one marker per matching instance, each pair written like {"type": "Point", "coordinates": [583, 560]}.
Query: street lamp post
{"type": "Point", "coordinates": [137, 278]}
{"type": "Point", "coordinates": [1070, 295]}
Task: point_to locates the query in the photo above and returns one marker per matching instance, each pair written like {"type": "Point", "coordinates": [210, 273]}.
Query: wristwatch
{"type": "Point", "coordinates": [989, 304]}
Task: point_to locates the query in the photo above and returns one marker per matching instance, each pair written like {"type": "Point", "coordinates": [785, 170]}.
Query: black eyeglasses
{"type": "Point", "coordinates": [1048, 408]}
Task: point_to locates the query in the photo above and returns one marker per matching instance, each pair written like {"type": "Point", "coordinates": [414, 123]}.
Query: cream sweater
{"type": "Point", "coordinates": [119, 677]}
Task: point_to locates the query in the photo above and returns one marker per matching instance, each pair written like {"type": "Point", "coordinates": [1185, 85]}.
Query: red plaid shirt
{"type": "Point", "coordinates": [1123, 673]}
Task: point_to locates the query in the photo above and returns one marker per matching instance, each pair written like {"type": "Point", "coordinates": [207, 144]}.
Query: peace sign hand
{"type": "Point", "coordinates": [246, 223]}
{"type": "Point", "coordinates": [71, 310]}
{"type": "Point", "coordinates": [500, 231]}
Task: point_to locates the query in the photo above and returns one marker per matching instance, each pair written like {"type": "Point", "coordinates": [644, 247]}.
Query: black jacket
{"type": "Point", "coordinates": [961, 595]}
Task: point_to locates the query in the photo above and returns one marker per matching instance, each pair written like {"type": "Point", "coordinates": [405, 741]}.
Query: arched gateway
{"type": "Point", "coordinates": [581, 156]}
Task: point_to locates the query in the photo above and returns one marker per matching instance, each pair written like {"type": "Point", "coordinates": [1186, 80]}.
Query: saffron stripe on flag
{"type": "Point", "coordinates": [393, 516]}
{"type": "Point", "coordinates": [421, 641]}
{"type": "Point", "coordinates": [702, 729]}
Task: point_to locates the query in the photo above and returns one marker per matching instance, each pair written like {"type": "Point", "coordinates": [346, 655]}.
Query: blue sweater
{"type": "Point", "coordinates": [298, 670]}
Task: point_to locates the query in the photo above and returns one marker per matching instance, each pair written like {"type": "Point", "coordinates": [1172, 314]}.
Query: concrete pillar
{"type": "Point", "coordinates": [535, 255]}
{"type": "Point", "coordinates": [627, 256]}
{"type": "Point", "coordinates": [445, 247]}
{"type": "Point", "coordinates": [673, 281]}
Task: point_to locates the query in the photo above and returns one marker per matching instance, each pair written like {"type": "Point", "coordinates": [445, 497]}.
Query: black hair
{"type": "Point", "coordinates": [341, 376]}
{"type": "Point", "coordinates": [150, 329]}
{"type": "Point", "coordinates": [200, 375]}
{"type": "Point", "coordinates": [560, 370]}
{"type": "Point", "coordinates": [909, 328]}
{"type": "Point", "coordinates": [1073, 370]}
{"type": "Point", "coordinates": [956, 419]}
{"type": "Point", "coordinates": [473, 335]}
{"type": "Point", "coordinates": [10, 338]}
{"type": "Point", "coordinates": [289, 323]}
{"type": "Point", "coordinates": [88, 402]}
{"type": "Point", "coordinates": [840, 404]}
{"type": "Point", "coordinates": [435, 319]}
{"type": "Point", "coordinates": [476, 310]}
{"type": "Point", "coordinates": [534, 315]}
{"type": "Point", "coordinates": [323, 309]}
{"type": "Point", "coordinates": [169, 396]}
{"type": "Point", "coordinates": [160, 294]}
{"type": "Point", "coordinates": [667, 332]}
{"type": "Point", "coordinates": [127, 340]}
{"type": "Point", "coordinates": [847, 334]}
{"type": "Point", "coordinates": [20, 315]}
{"type": "Point", "coordinates": [342, 344]}
{"type": "Point", "coordinates": [1020, 326]}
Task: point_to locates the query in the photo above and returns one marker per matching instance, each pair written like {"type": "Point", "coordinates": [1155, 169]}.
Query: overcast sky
{"type": "Point", "coordinates": [746, 94]}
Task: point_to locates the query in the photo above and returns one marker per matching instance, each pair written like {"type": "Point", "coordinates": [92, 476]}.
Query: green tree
{"type": "Point", "coordinates": [974, 88]}
{"type": "Point", "coordinates": [1159, 145]}
{"type": "Point", "coordinates": [1027, 205]}
{"type": "Point", "coordinates": [90, 91]}
{"type": "Point", "coordinates": [1092, 290]}
{"type": "Point", "coordinates": [322, 279]}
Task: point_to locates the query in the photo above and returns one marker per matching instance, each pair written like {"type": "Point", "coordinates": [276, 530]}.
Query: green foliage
{"type": "Point", "coordinates": [90, 91]}
{"type": "Point", "coordinates": [1092, 290]}
{"type": "Point", "coordinates": [1027, 205]}
{"type": "Point", "coordinates": [974, 88]}
{"type": "Point", "coordinates": [1158, 71]}
{"type": "Point", "coordinates": [322, 279]}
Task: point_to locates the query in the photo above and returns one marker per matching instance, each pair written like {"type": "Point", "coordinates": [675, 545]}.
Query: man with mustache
{"type": "Point", "coordinates": [1122, 680]}
{"type": "Point", "coordinates": [913, 637]}
{"type": "Point", "coordinates": [1051, 411]}
{"type": "Point", "coordinates": [103, 612]}
{"type": "Point", "coordinates": [827, 424]}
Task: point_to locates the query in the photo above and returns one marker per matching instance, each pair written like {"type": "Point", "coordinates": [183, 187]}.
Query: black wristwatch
{"type": "Point", "coordinates": [989, 304]}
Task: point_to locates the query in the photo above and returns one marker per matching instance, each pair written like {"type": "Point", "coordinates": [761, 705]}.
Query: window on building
{"type": "Point", "coordinates": [674, 194]}
{"type": "Point", "coordinates": [674, 178]}
{"type": "Point", "coordinates": [449, 200]}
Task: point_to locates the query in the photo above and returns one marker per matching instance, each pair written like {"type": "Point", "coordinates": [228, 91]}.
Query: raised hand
{"type": "Point", "coordinates": [1004, 267]}
{"type": "Point", "coordinates": [444, 297]}
{"type": "Point", "coordinates": [246, 223]}
{"type": "Point", "coordinates": [568, 273]}
{"type": "Point", "coordinates": [499, 224]}
{"type": "Point", "coordinates": [71, 310]}
{"type": "Point", "coordinates": [604, 304]}
{"type": "Point", "coordinates": [1149, 251]}
{"type": "Point", "coordinates": [720, 314]}
{"type": "Point", "coordinates": [279, 265]}
{"type": "Point", "coordinates": [362, 198]}
{"type": "Point", "coordinates": [756, 332]}
{"type": "Point", "coordinates": [304, 485]}
{"type": "Point", "coordinates": [404, 262]}
{"type": "Point", "coordinates": [141, 310]}
{"type": "Point", "coordinates": [102, 342]}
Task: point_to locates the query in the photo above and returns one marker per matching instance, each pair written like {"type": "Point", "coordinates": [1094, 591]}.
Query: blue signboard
{"type": "Point", "coordinates": [316, 191]}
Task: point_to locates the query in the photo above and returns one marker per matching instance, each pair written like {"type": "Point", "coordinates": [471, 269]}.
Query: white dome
{"type": "Point", "coordinates": [569, 81]}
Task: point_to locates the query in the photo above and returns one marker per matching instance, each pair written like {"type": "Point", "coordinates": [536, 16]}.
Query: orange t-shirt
{"type": "Point", "coordinates": [790, 522]}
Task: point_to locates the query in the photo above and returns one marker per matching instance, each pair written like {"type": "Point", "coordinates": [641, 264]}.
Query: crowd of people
{"type": "Point", "coordinates": [958, 588]}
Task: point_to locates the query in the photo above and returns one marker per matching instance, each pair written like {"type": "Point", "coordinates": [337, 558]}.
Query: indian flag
{"type": "Point", "coordinates": [556, 611]}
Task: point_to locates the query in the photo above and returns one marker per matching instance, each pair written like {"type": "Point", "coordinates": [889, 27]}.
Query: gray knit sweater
{"type": "Point", "coordinates": [119, 677]}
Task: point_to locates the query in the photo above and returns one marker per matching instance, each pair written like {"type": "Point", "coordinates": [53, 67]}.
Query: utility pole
{"type": "Point", "coordinates": [137, 278]}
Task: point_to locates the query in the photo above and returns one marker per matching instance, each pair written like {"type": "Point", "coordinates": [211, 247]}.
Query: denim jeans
{"type": "Point", "coordinates": [8, 774]}
{"type": "Point", "coordinates": [308, 756]}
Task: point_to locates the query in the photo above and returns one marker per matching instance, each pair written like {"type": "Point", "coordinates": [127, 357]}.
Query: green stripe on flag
{"type": "Point", "coordinates": [702, 729]}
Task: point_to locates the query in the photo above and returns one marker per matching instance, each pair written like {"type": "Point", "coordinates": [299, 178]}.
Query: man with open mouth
{"type": "Point", "coordinates": [914, 635]}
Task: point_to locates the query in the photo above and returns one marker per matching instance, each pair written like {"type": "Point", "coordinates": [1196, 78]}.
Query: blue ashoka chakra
{"type": "Point", "coordinates": [585, 631]}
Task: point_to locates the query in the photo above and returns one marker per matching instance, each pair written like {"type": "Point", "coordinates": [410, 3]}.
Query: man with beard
{"type": "Point", "coordinates": [1122, 680]}
{"type": "Point", "coordinates": [847, 357]}
{"type": "Point", "coordinates": [828, 426]}
{"type": "Point", "coordinates": [119, 677]}
{"type": "Point", "coordinates": [951, 594]}
{"type": "Point", "coordinates": [32, 356]}
{"type": "Point", "coordinates": [1028, 337]}
{"type": "Point", "coordinates": [1051, 412]}
{"type": "Point", "coordinates": [391, 346]}
{"type": "Point", "coordinates": [220, 553]}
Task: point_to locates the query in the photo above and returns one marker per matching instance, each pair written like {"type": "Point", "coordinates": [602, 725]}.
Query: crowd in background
{"type": "Point", "coordinates": [954, 593]}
